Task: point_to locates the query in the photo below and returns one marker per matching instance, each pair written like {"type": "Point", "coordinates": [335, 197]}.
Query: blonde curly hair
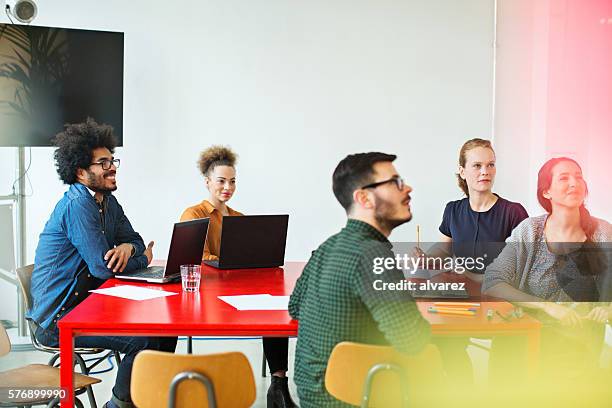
{"type": "Point", "coordinates": [216, 156]}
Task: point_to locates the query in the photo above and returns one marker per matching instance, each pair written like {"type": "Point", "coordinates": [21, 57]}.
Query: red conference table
{"type": "Point", "coordinates": [194, 314]}
{"type": "Point", "coordinates": [203, 314]}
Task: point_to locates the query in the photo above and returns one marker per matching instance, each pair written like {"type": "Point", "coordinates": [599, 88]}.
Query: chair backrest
{"type": "Point", "coordinates": [350, 363]}
{"type": "Point", "coordinates": [24, 277]}
{"type": "Point", "coordinates": [230, 374]}
{"type": "Point", "coordinates": [5, 342]}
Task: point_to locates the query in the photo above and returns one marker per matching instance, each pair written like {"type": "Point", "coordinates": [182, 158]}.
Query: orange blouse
{"type": "Point", "coordinates": [213, 239]}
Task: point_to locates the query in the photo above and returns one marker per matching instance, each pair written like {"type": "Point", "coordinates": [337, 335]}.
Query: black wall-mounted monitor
{"type": "Point", "coordinates": [52, 76]}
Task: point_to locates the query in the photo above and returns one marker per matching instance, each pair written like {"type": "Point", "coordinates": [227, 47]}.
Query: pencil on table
{"type": "Point", "coordinates": [456, 304]}
{"type": "Point", "coordinates": [451, 312]}
{"type": "Point", "coordinates": [453, 309]}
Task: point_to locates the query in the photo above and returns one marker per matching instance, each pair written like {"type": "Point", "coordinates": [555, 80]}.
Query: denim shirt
{"type": "Point", "coordinates": [69, 259]}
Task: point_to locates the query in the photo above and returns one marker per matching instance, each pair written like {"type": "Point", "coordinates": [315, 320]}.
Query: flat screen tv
{"type": "Point", "coordinates": [52, 76]}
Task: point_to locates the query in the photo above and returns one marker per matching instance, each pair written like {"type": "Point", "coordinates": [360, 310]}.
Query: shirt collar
{"type": "Point", "coordinates": [366, 229]}
{"type": "Point", "coordinates": [210, 208]}
{"type": "Point", "coordinates": [83, 189]}
{"type": "Point", "coordinates": [93, 193]}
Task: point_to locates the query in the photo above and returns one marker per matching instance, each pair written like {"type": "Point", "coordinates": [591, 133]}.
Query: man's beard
{"type": "Point", "coordinates": [384, 213]}
{"type": "Point", "coordinates": [96, 183]}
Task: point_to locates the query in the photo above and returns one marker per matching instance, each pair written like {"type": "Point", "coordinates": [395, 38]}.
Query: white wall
{"type": "Point", "coordinates": [293, 87]}
{"type": "Point", "coordinates": [554, 94]}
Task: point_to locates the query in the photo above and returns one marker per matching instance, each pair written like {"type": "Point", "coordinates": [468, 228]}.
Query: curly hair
{"type": "Point", "coordinates": [75, 146]}
{"type": "Point", "coordinates": [216, 156]}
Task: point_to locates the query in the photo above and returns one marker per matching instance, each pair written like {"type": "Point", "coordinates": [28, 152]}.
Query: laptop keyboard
{"type": "Point", "coordinates": [150, 272]}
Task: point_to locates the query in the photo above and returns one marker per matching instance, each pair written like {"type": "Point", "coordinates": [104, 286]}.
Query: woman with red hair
{"type": "Point", "coordinates": [555, 266]}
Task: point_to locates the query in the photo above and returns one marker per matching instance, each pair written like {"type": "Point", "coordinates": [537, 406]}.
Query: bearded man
{"type": "Point", "coordinates": [334, 299]}
{"type": "Point", "coordinates": [87, 240]}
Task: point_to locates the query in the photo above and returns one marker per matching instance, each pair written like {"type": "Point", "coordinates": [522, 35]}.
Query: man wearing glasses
{"type": "Point", "coordinates": [86, 241]}
{"type": "Point", "coordinates": [334, 299]}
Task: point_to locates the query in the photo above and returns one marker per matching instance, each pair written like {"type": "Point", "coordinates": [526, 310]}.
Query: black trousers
{"type": "Point", "coordinates": [276, 350]}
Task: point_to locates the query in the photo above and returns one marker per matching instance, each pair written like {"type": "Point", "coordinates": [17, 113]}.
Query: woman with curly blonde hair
{"type": "Point", "coordinates": [218, 166]}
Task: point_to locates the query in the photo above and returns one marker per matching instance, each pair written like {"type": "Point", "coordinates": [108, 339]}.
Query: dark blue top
{"type": "Point", "coordinates": [480, 234]}
{"type": "Point", "coordinates": [70, 254]}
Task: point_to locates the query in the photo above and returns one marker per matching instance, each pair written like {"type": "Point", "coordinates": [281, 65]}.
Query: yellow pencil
{"type": "Point", "coordinates": [454, 309]}
{"type": "Point", "coordinates": [456, 304]}
{"type": "Point", "coordinates": [418, 236]}
{"type": "Point", "coordinates": [457, 313]}
{"type": "Point", "coordinates": [451, 312]}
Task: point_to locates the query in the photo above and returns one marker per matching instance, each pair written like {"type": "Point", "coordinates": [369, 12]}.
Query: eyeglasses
{"type": "Point", "coordinates": [399, 183]}
{"type": "Point", "coordinates": [106, 164]}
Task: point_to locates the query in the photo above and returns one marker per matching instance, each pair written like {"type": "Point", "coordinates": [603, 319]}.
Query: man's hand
{"type": "Point", "coordinates": [118, 257]}
{"type": "Point", "coordinates": [149, 252]}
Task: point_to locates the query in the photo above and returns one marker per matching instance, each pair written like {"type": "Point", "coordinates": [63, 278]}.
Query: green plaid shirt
{"type": "Point", "coordinates": [334, 301]}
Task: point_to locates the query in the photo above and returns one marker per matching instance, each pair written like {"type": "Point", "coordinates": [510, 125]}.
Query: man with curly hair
{"type": "Point", "coordinates": [87, 240]}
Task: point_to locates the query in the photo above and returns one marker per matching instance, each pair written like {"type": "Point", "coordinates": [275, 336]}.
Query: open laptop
{"type": "Point", "coordinates": [186, 247]}
{"type": "Point", "coordinates": [252, 241]}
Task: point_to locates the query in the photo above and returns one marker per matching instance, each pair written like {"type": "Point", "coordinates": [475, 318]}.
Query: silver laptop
{"type": "Point", "coordinates": [186, 247]}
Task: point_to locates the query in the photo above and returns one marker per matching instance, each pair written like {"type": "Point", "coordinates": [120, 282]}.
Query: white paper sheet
{"type": "Point", "coordinates": [257, 302]}
{"type": "Point", "coordinates": [133, 292]}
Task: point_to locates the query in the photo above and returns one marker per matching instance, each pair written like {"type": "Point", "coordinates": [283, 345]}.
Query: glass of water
{"type": "Point", "coordinates": [190, 276]}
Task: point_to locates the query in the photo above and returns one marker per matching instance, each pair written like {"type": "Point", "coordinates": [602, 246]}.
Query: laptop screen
{"type": "Point", "coordinates": [187, 244]}
{"type": "Point", "coordinates": [253, 241]}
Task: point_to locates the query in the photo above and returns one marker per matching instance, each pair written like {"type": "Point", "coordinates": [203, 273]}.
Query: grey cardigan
{"type": "Point", "coordinates": [528, 265]}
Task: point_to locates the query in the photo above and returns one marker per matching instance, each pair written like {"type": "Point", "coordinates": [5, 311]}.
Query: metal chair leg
{"type": "Point", "coordinates": [81, 363]}
{"type": "Point", "coordinates": [85, 370]}
{"type": "Point", "coordinates": [91, 397]}
{"type": "Point", "coordinates": [53, 403]}
{"type": "Point", "coordinates": [53, 359]}
{"type": "Point", "coordinates": [189, 345]}
{"type": "Point", "coordinates": [263, 364]}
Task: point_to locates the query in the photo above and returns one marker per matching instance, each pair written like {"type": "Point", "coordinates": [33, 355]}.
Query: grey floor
{"type": "Point", "coordinates": [252, 348]}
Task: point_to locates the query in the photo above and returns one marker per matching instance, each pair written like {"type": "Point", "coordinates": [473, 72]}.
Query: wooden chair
{"type": "Point", "coordinates": [35, 376]}
{"type": "Point", "coordinates": [379, 376]}
{"type": "Point", "coordinates": [24, 277]}
{"type": "Point", "coordinates": [161, 379]}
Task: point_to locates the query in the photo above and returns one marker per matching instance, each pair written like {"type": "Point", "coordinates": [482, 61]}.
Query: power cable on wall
{"type": "Point", "coordinates": [7, 10]}
{"type": "Point", "coordinates": [27, 177]}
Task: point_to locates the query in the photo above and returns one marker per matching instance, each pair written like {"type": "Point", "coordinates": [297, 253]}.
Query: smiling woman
{"type": "Point", "coordinates": [556, 266]}
{"type": "Point", "coordinates": [217, 165]}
